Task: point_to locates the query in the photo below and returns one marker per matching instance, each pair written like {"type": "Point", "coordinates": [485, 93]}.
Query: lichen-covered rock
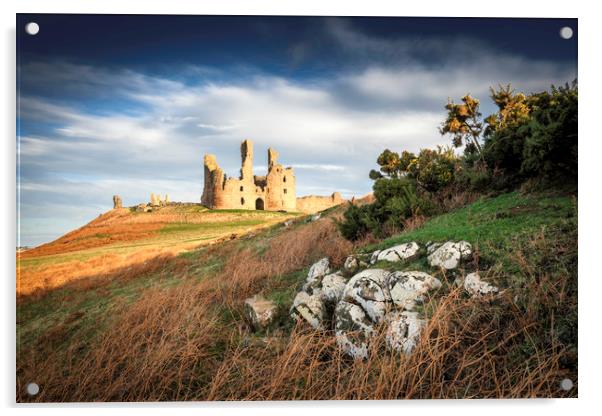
{"type": "Point", "coordinates": [409, 287]}
{"type": "Point", "coordinates": [477, 287]}
{"type": "Point", "coordinates": [259, 311]}
{"type": "Point", "coordinates": [431, 247]}
{"type": "Point", "coordinates": [401, 252]}
{"type": "Point", "coordinates": [353, 329]}
{"type": "Point", "coordinates": [316, 272]}
{"type": "Point", "coordinates": [374, 257]}
{"type": "Point", "coordinates": [311, 308]}
{"type": "Point", "coordinates": [403, 331]}
{"type": "Point", "coordinates": [333, 287]}
{"type": "Point", "coordinates": [449, 255]}
{"type": "Point", "coordinates": [368, 289]}
{"type": "Point", "coordinates": [351, 265]}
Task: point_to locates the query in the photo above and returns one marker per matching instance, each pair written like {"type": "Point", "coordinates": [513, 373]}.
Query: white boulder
{"type": "Point", "coordinates": [333, 287]}
{"type": "Point", "coordinates": [310, 308]}
{"type": "Point", "coordinates": [401, 252]}
{"type": "Point", "coordinates": [368, 289]}
{"type": "Point", "coordinates": [477, 287]}
{"type": "Point", "coordinates": [259, 311]}
{"type": "Point", "coordinates": [403, 331]}
{"type": "Point", "coordinates": [316, 272]}
{"type": "Point", "coordinates": [353, 329]}
{"type": "Point", "coordinates": [449, 255]}
{"type": "Point", "coordinates": [409, 287]}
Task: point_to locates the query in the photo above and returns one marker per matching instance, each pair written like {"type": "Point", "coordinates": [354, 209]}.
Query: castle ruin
{"type": "Point", "coordinates": [275, 191]}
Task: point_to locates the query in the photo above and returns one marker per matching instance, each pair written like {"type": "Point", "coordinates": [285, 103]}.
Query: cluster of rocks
{"type": "Point", "coordinates": [357, 298]}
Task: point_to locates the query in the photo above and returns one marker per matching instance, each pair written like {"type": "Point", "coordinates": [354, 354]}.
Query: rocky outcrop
{"type": "Point", "coordinates": [259, 311]}
{"type": "Point", "coordinates": [376, 294]}
{"type": "Point", "coordinates": [477, 287]}
{"type": "Point", "coordinates": [449, 255]}
{"type": "Point", "coordinates": [117, 202]}
{"type": "Point", "coordinates": [355, 306]}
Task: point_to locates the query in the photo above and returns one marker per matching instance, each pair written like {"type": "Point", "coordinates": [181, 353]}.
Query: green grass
{"type": "Point", "coordinates": [491, 221]}
{"type": "Point", "coordinates": [178, 228]}
{"type": "Point", "coordinates": [254, 212]}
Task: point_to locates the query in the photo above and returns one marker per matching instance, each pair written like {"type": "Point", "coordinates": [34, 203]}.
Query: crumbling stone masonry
{"type": "Point", "coordinates": [274, 192]}
{"type": "Point", "coordinates": [314, 203]}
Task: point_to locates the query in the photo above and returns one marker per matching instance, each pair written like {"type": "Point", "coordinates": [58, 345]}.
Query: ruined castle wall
{"type": "Point", "coordinates": [239, 194]}
{"type": "Point", "coordinates": [275, 191]}
{"type": "Point", "coordinates": [289, 185]}
{"type": "Point", "coordinates": [313, 203]}
{"type": "Point", "coordinates": [214, 178]}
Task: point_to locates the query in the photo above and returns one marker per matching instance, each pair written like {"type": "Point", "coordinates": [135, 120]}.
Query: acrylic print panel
{"type": "Point", "coordinates": [295, 208]}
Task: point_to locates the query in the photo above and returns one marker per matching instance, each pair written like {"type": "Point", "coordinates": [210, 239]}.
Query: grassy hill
{"type": "Point", "coordinates": [121, 238]}
{"type": "Point", "coordinates": [170, 326]}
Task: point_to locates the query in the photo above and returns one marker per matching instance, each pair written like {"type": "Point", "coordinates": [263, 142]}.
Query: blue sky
{"type": "Point", "coordinates": [128, 105]}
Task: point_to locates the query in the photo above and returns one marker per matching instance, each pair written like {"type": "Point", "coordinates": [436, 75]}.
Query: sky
{"type": "Point", "coordinates": [128, 105]}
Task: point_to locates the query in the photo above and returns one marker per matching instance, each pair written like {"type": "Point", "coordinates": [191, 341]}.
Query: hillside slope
{"type": "Point", "coordinates": [174, 329]}
{"type": "Point", "coordinates": [124, 237]}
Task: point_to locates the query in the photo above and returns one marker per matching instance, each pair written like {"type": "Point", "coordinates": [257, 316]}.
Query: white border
{"type": "Point", "coordinates": [590, 154]}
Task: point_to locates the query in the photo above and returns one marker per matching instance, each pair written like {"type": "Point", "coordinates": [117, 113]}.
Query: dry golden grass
{"type": "Point", "coordinates": [110, 227]}
{"type": "Point", "coordinates": [190, 342]}
{"type": "Point", "coordinates": [120, 239]}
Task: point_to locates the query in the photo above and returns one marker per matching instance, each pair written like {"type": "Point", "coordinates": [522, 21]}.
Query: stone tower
{"type": "Point", "coordinates": [246, 154]}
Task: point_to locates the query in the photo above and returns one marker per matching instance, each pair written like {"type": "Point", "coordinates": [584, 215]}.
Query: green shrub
{"type": "Point", "coordinates": [534, 136]}
{"type": "Point", "coordinates": [551, 147]}
{"type": "Point", "coordinates": [355, 222]}
{"type": "Point", "coordinates": [396, 200]}
{"type": "Point", "coordinates": [434, 169]}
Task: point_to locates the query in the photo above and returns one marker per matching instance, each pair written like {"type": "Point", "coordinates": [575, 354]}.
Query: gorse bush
{"type": "Point", "coordinates": [551, 145]}
{"type": "Point", "coordinates": [533, 136]}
